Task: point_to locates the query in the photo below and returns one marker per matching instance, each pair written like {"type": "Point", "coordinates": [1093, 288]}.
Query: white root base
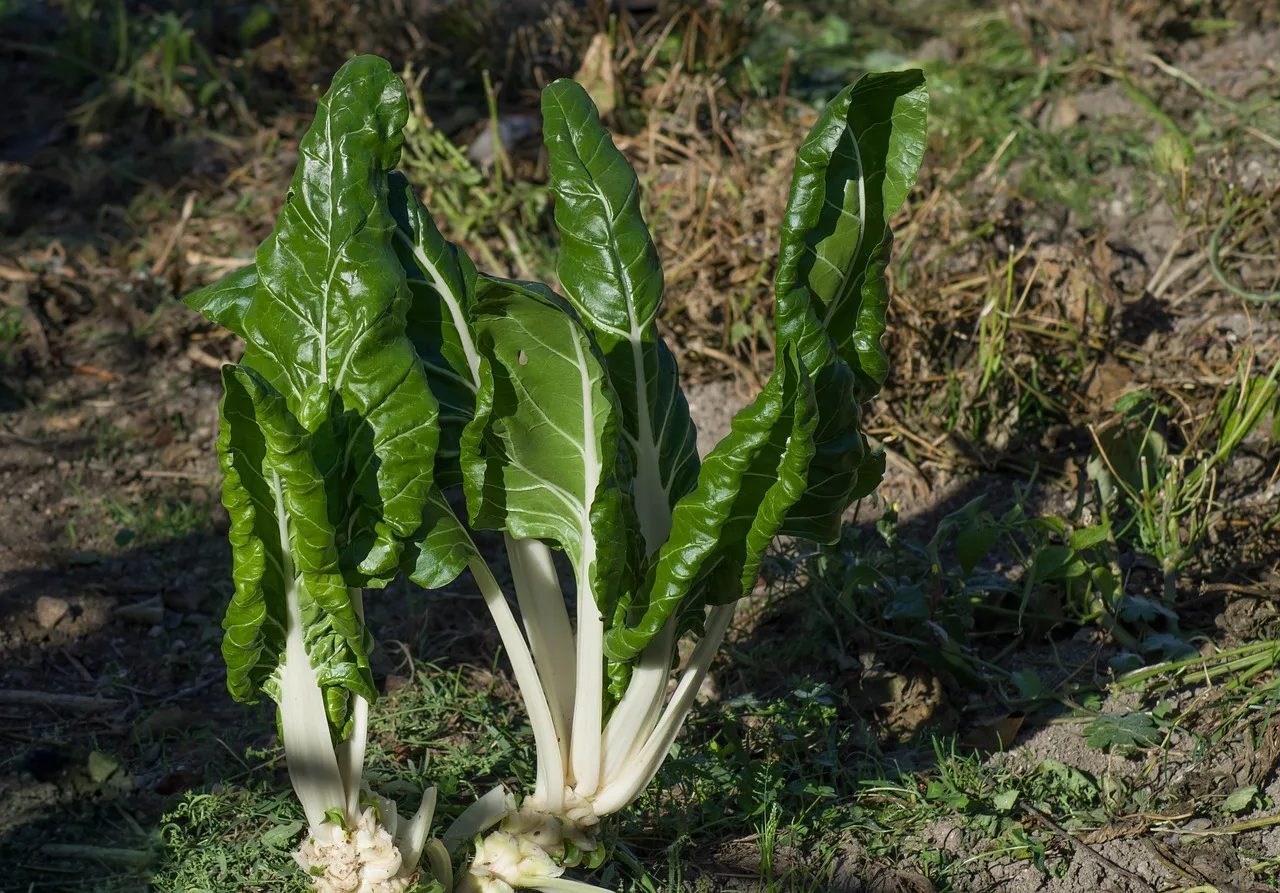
{"type": "Point", "coordinates": [528, 850]}
{"type": "Point", "coordinates": [364, 860]}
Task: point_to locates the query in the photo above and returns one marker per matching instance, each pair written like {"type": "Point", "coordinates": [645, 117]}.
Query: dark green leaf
{"type": "Point", "coordinates": [281, 534]}
{"type": "Point", "coordinates": [852, 174]}
{"type": "Point", "coordinates": [437, 553]}
{"type": "Point", "coordinates": [720, 531]}
{"type": "Point", "coordinates": [227, 301]}
{"type": "Point", "coordinates": [1049, 562]}
{"type": "Point", "coordinates": [1122, 730]}
{"type": "Point", "coordinates": [442, 282]}
{"type": "Point", "coordinates": [323, 313]}
{"type": "Point", "coordinates": [1088, 537]}
{"type": "Point", "coordinates": [908, 603]}
{"type": "Point", "coordinates": [974, 541]}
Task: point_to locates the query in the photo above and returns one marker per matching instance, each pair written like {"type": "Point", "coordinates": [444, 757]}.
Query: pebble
{"type": "Point", "coordinates": [49, 610]}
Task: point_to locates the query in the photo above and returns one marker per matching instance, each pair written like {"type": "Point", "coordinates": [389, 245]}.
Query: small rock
{"type": "Point", "coordinates": [1064, 115]}
{"type": "Point", "coordinates": [49, 610]}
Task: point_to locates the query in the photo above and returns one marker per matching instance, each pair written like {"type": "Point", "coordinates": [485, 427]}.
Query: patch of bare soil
{"type": "Point", "coordinates": [113, 569]}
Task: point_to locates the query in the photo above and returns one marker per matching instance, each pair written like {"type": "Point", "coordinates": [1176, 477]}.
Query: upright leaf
{"type": "Point", "coordinates": [539, 456]}
{"type": "Point", "coordinates": [283, 547]}
{"type": "Point", "coordinates": [609, 268]}
{"type": "Point", "coordinates": [852, 174]}
{"type": "Point", "coordinates": [719, 533]}
{"type": "Point", "coordinates": [325, 321]}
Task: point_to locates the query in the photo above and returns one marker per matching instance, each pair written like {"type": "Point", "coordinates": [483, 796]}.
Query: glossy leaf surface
{"type": "Point", "coordinates": [609, 268]}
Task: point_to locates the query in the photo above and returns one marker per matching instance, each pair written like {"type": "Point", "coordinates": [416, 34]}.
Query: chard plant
{"type": "Point", "coordinates": [395, 373]}
{"type": "Point", "coordinates": [327, 440]}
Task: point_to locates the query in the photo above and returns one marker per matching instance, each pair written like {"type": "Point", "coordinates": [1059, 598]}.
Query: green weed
{"type": "Point", "coordinates": [1162, 501]}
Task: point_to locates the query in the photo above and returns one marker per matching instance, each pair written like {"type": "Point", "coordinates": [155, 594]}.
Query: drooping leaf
{"type": "Point", "coordinates": [283, 540]}
{"type": "Point", "coordinates": [609, 268]}
{"type": "Point", "coordinates": [852, 174]}
{"type": "Point", "coordinates": [437, 553]}
{"type": "Point", "coordinates": [326, 320]}
{"type": "Point", "coordinates": [720, 530]}
{"type": "Point", "coordinates": [539, 456]}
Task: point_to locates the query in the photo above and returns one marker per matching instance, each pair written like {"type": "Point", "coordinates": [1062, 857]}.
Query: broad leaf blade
{"type": "Point", "coordinates": [539, 456]}
{"type": "Point", "coordinates": [609, 268]}
{"type": "Point", "coordinates": [268, 468]}
{"type": "Point", "coordinates": [326, 323]}
{"type": "Point", "coordinates": [608, 263]}
{"type": "Point", "coordinates": [853, 172]}
{"type": "Point", "coordinates": [720, 531]}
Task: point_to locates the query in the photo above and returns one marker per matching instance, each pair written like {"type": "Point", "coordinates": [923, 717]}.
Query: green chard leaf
{"type": "Point", "coordinates": [852, 174]}
{"type": "Point", "coordinates": [227, 300]}
{"type": "Point", "coordinates": [539, 456]}
{"type": "Point", "coordinates": [442, 282]}
{"type": "Point", "coordinates": [283, 546]}
{"type": "Point", "coordinates": [609, 268]}
{"type": "Point", "coordinates": [324, 314]}
{"type": "Point", "coordinates": [440, 549]}
{"type": "Point", "coordinates": [720, 531]}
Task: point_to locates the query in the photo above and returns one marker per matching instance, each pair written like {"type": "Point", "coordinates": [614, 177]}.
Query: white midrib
{"type": "Point", "coordinates": [313, 764]}
{"type": "Point", "coordinates": [653, 495]}
{"type": "Point", "coordinates": [588, 706]}
{"type": "Point", "coordinates": [644, 761]}
{"type": "Point", "coordinates": [637, 713]}
{"type": "Point", "coordinates": [450, 301]}
{"type": "Point", "coordinates": [653, 499]}
{"type": "Point", "coordinates": [546, 624]}
{"type": "Point", "coordinates": [351, 751]}
{"type": "Point", "coordinates": [551, 775]}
